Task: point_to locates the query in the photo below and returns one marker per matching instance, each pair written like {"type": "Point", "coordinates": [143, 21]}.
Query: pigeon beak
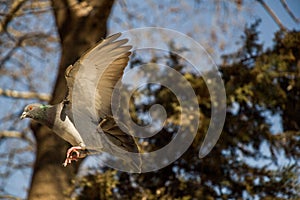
{"type": "Point", "coordinates": [24, 115]}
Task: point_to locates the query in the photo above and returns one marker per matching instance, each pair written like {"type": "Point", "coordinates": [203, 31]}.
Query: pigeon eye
{"type": "Point", "coordinates": [30, 108]}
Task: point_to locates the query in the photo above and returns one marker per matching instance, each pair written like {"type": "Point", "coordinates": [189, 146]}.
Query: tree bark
{"type": "Point", "coordinates": [80, 25]}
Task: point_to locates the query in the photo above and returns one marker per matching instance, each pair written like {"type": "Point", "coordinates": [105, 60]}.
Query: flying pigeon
{"type": "Point", "coordinates": [59, 117]}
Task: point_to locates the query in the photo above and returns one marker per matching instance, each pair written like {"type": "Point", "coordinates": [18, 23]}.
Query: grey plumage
{"type": "Point", "coordinates": [59, 117]}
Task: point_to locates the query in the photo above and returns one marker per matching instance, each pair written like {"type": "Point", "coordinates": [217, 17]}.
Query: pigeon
{"type": "Point", "coordinates": [59, 117]}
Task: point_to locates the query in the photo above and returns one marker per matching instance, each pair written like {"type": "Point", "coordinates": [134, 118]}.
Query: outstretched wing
{"type": "Point", "coordinates": [108, 58]}
{"type": "Point", "coordinates": [91, 81]}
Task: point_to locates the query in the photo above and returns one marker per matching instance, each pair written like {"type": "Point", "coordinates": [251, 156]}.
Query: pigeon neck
{"type": "Point", "coordinates": [46, 115]}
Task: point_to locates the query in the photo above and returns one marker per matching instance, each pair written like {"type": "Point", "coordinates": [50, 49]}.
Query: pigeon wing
{"type": "Point", "coordinates": [103, 67]}
{"type": "Point", "coordinates": [107, 60]}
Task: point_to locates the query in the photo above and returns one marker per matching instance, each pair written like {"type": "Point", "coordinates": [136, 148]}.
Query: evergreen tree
{"type": "Point", "coordinates": [245, 164]}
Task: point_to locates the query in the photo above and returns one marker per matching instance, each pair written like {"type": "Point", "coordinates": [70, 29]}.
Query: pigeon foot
{"type": "Point", "coordinates": [73, 154]}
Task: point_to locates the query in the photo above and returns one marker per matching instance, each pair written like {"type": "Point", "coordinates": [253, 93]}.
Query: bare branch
{"type": "Point", "coordinates": [35, 7]}
{"type": "Point", "coordinates": [7, 56]}
{"type": "Point", "coordinates": [25, 95]}
{"type": "Point", "coordinates": [14, 9]}
{"type": "Point", "coordinates": [19, 135]}
{"type": "Point", "coordinates": [11, 134]}
{"type": "Point", "coordinates": [288, 10]}
{"type": "Point", "coordinates": [26, 40]}
{"type": "Point", "coordinates": [9, 197]}
{"type": "Point", "coordinates": [272, 14]}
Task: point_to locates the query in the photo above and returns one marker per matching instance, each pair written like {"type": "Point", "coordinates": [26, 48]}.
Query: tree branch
{"type": "Point", "coordinates": [11, 134]}
{"type": "Point", "coordinates": [14, 9]}
{"type": "Point", "coordinates": [9, 197]}
{"type": "Point", "coordinates": [25, 40]}
{"type": "Point", "coordinates": [288, 10]}
{"type": "Point", "coordinates": [272, 14]}
{"type": "Point", "coordinates": [18, 135]}
{"type": "Point", "coordinates": [25, 95]}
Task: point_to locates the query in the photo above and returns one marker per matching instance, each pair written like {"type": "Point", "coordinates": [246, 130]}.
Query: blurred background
{"type": "Point", "coordinates": [256, 46]}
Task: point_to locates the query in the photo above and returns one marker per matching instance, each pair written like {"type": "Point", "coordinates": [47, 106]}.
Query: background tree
{"type": "Point", "coordinates": [245, 162]}
{"type": "Point", "coordinates": [79, 26]}
{"type": "Point", "coordinates": [261, 85]}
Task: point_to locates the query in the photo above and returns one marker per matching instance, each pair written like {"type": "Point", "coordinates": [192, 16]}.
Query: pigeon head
{"type": "Point", "coordinates": [35, 111]}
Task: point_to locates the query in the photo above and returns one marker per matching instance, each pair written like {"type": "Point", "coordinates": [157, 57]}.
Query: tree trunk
{"type": "Point", "coordinates": [80, 25]}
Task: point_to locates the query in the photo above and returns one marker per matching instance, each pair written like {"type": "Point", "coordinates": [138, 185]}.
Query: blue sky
{"type": "Point", "coordinates": [268, 26]}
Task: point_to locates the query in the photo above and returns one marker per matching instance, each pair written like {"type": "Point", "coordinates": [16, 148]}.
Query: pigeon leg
{"type": "Point", "coordinates": [70, 157]}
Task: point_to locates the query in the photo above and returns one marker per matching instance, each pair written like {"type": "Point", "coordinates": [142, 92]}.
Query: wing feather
{"type": "Point", "coordinates": [108, 58]}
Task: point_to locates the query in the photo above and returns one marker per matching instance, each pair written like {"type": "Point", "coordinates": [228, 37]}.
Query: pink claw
{"type": "Point", "coordinates": [70, 156]}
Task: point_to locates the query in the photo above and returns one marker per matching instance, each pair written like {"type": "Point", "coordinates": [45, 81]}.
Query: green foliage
{"type": "Point", "coordinates": [245, 162]}
{"type": "Point", "coordinates": [98, 186]}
